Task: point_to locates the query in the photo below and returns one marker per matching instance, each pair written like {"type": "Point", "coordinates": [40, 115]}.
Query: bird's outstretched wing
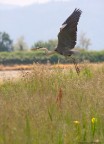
{"type": "Point", "coordinates": [68, 32]}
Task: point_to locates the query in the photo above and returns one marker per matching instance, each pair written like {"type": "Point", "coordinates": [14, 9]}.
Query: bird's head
{"type": "Point", "coordinates": [36, 48]}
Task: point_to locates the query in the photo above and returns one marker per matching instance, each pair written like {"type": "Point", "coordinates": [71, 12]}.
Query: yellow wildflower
{"type": "Point", "coordinates": [76, 122]}
{"type": "Point", "coordinates": [94, 120]}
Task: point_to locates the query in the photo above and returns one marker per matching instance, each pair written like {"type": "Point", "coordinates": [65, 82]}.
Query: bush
{"type": "Point", "coordinates": [29, 57]}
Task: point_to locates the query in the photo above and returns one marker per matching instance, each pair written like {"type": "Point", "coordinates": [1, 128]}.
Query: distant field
{"type": "Point", "coordinates": [16, 71]}
{"type": "Point", "coordinates": [16, 67]}
{"type": "Point", "coordinates": [51, 104]}
{"type": "Point", "coordinates": [31, 66]}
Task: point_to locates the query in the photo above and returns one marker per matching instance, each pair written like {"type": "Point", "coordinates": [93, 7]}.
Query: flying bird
{"type": "Point", "coordinates": [67, 37]}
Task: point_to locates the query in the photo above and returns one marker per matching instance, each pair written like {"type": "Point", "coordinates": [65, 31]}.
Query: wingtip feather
{"type": "Point", "coordinates": [78, 10]}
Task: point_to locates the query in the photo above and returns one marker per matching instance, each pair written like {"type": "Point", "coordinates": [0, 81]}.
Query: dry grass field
{"type": "Point", "coordinates": [53, 105]}
{"type": "Point", "coordinates": [63, 66]}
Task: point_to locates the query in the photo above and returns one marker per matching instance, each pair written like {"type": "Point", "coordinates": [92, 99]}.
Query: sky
{"type": "Point", "coordinates": [26, 2]}
{"type": "Point", "coordinates": [16, 17]}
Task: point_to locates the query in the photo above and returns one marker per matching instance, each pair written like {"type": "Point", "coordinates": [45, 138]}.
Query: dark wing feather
{"type": "Point", "coordinates": [68, 32]}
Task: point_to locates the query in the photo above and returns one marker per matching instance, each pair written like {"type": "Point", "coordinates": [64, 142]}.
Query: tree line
{"type": "Point", "coordinates": [29, 57]}
{"type": "Point", "coordinates": [7, 44]}
{"type": "Point", "coordinates": [19, 53]}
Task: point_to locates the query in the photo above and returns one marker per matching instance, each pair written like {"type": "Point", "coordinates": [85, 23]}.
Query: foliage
{"type": "Point", "coordinates": [53, 106]}
{"type": "Point", "coordinates": [51, 44]}
{"type": "Point", "coordinates": [5, 42]}
{"type": "Point", "coordinates": [25, 57]}
{"type": "Point", "coordinates": [92, 56]}
{"type": "Point", "coordinates": [29, 57]}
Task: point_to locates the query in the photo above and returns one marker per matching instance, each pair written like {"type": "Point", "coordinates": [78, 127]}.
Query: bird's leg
{"type": "Point", "coordinates": [76, 66]}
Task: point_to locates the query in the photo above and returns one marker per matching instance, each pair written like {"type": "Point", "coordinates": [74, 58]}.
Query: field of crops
{"type": "Point", "coordinates": [53, 105]}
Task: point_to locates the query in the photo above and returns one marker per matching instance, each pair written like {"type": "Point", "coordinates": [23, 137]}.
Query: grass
{"type": "Point", "coordinates": [16, 67]}
{"type": "Point", "coordinates": [31, 66]}
{"type": "Point", "coordinates": [53, 106]}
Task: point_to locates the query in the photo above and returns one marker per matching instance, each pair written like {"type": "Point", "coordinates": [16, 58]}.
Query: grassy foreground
{"type": "Point", "coordinates": [53, 106]}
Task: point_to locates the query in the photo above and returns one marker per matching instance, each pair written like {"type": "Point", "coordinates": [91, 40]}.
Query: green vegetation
{"type": "Point", "coordinates": [51, 44]}
{"type": "Point", "coordinates": [5, 42]}
{"type": "Point", "coordinates": [29, 57]}
{"type": "Point", "coordinates": [53, 106]}
{"type": "Point", "coordinates": [18, 53]}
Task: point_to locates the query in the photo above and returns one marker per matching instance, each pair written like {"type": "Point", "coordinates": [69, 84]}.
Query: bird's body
{"type": "Point", "coordinates": [67, 36]}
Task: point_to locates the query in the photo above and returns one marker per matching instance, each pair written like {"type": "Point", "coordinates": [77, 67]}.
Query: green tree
{"type": "Point", "coordinates": [5, 42]}
{"type": "Point", "coordinates": [50, 44]}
